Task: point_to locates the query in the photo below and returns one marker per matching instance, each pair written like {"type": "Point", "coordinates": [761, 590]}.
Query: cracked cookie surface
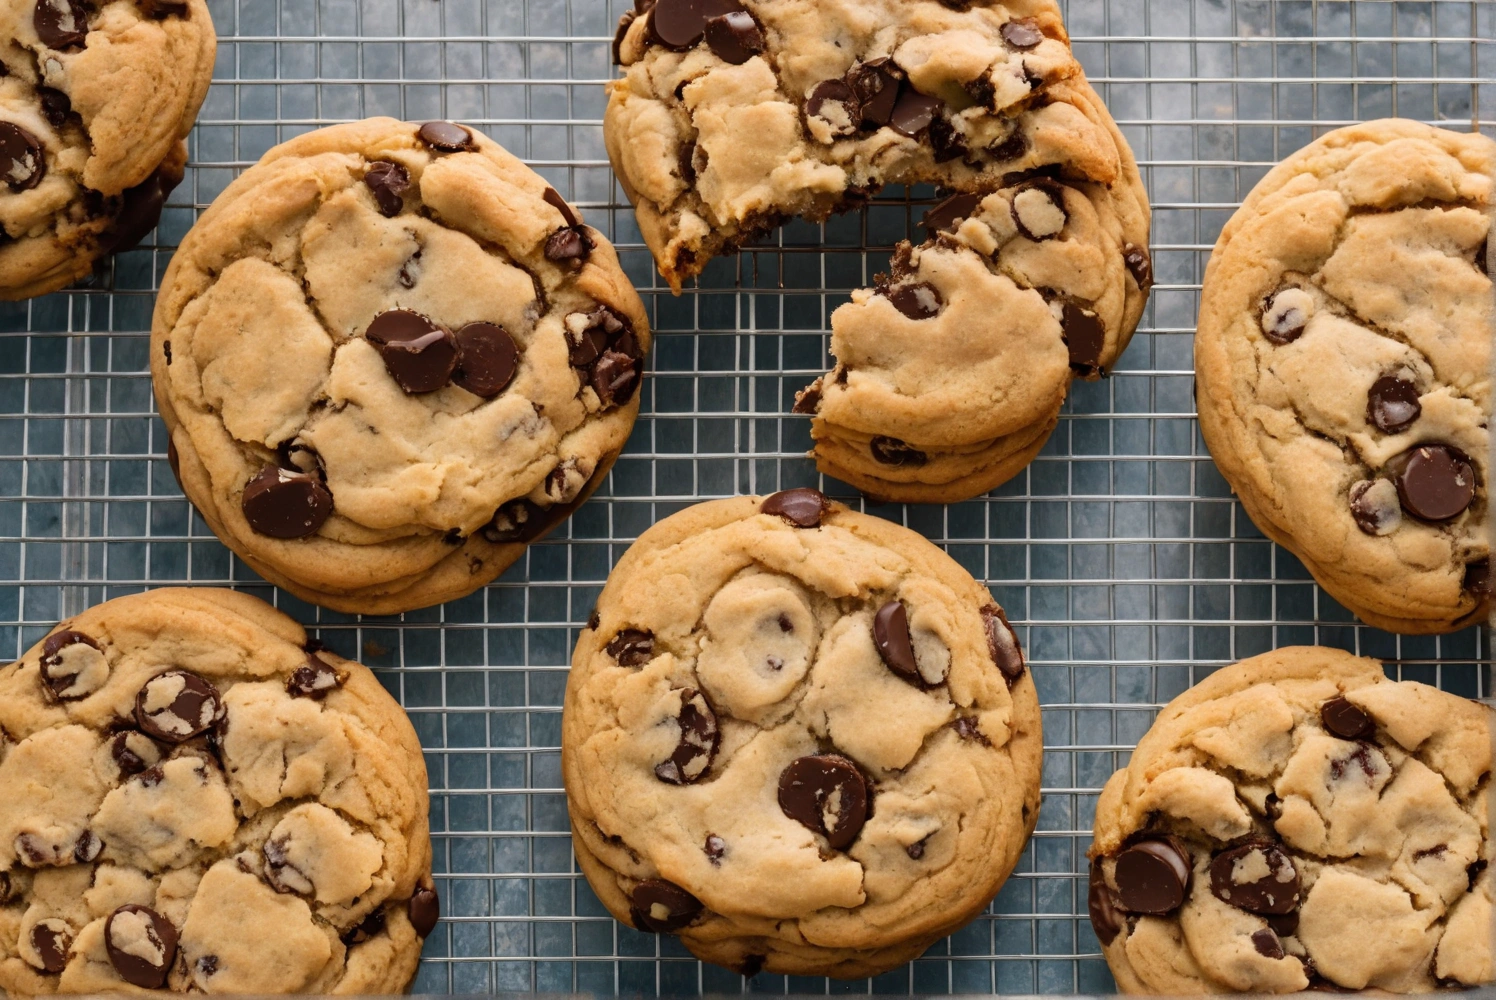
{"type": "Point", "coordinates": [390, 356]}
{"type": "Point", "coordinates": [198, 798]}
{"type": "Point", "coordinates": [1343, 364]}
{"type": "Point", "coordinates": [801, 738]}
{"type": "Point", "coordinates": [95, 102]}
{"type": "Point", "coordinates": [1298, 820]}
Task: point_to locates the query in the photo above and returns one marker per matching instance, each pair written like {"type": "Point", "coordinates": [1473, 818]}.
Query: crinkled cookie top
{"type": "Point", "coordinates": [196, 798]}
{"type": "Point", "coordinates": [1299, 820]}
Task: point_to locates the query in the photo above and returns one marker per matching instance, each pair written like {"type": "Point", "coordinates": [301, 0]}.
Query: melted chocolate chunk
{"type": "Point", "coordinates": [1012, 148]}
{"type": "Point", "coordinates": [1002, 643]}
{"type": "Point", "coordinates": [55, 106]}
{"type": "Point", "coordinates": [23, 159]}
{"type": "Point", "coordinates": [1256, 877]}
{"type": "Point", "coordinates": [52, 940]}
{"type": "Point", "coordinates": [594, 620]}
{"type": "Point", "coordinates": [448, 137]}
{"type": "Point", "coordinates": [314, 679]}
{"type": "Point", "coordinates": [827, 794]}
{"type": "Point", "coordinates": [1139, 264]}
{"type": "Point", "coordinates": [680, 24]}
{"type": "Point", "coordinates": [175, 706]}
{"type": "Point", "coordinates": [1101, 901]}
{"type": "Point", "coordinates": [875, 87]}
{"type": "Point", "coordinates": [1284, 924]}
{"type": "Point", "coordinates": [632, 647]}
{"type": "Point", "coordinates": [570, 246]}
{"type": "Point", "coordinates": [1392, 405]}
{"type": "Point", "coordinates": [735, 37]}
{"type": "Point", "coordinates": [808, 400]}
{"type": "Point", "coordinates": [1345, 720]}
{"type": "Point", "coordinates": [1478, 580]}
{"type": "Point", "coordinates": [892, 451]}
{"type": "Point", "coordinates": [916, 300]}
{"type": "Point", "coordinates": [1267, 944]}
{"type": "Point", "coordinates": [913, 112]}
{"type": "Point", "coordinates": [130, 750]}
{"type": "Point", "coordinates": [142, 945]}
{"type": "Point", "coordinates": [1152, 876]}
{"type": "Point", "coordinates": [1375, 506]}
{"type": "Point", "coordinates": [68, 673]}
{"type": "Point", "coordinates": [1021, 33]}
{"type": "Point", "coordinates": [834, 102]}
{"type": "Point", "coordinates": [715, 847]}
{"type": "Point", "coordinates": [1285, 315]}
{"type": "Point", "coordinates": [88, 848]}
{"type": "Point", "coordinates": [425, 911]}
{"type": "Point", "coordinates": [516, 521]}
{"type": "Point", "coordinates": [388, 182]}
{"type": "Point", "coordinates": [60, 24]}
{"type": "Point", "coordinates": [662, 907]}
{"type": "Point", "coordinates": [1435, 482]}
{"type": "Point", "coordinates": [891, 636]}
{"type": "Point", "coordinates": [371, 925]}
{"type": "Point", "coordinates": [140, 210]}
{"type": "Point", "coordinates": [698, 741]}
{"type": "Point", "coordinates": [607, 356]}
{"type": "Point", "coordinates": [284, 504]}
{"type": "Point", "coordinates": [614, 377]}
{"type": "Point", "coordinates": [802, 507]}
{"type": "Point", "coordinates": [487, 359]}
{"type": "Point", "coordinates": [553, 198]}
{"type": "Point", "coordinates": [1086, 338]}
{"type": "Point", "coordinates": [916, 850]}
{"type": "Point", "coordinates": [947, 216]}
{"type": "Point", "coordinates": [419, 355]}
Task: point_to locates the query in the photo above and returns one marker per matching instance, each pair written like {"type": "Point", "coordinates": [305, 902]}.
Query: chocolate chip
{"type": "Point", "coordinates": [913, 112]}
{"type": "Point", "coordinates": [1021, 33]}
{"type": "Point", "coordinates": [825, 793]}
{"type": "Point", "coordinates": [313, 679]}
{"type": "Point", "coordinates": [892, 451]}
{"type": "Point", "coordinates": [802, 507]}
{"type": "Point", "coordinates": [1392, 405]}
{"type": "Point", "coordinates": [1039, 210]}
{"type": "Point", "coordinates": [1101, 902]}
{"type": "Point", "coordinates": [1475, 870]}
{"type": "Point", "coordinates": [969, 729]}
{"type": "Point", "coordinates": [1012, 148]}
{"type": "Point", "coordinates": [624, 23]}
{"type": "Point", "coordinates": [875, 89]}
{"type": "Point", "coordinates": [55, 106]}
{"type": "Point", "coordinates": [207, 966]}
{"type": "Point", "coordinates": [594, 620]}
{"type": "Point", "coordinates": [715, 848]}
{"type": "Point", "coordinates": [658, 906]}
{"type": "Point", "coordinates": [1286, 314]}
{"type": "Point", "coordinates": [177, 705]}
{"type": "Point", "coordinates": [946, 141]}
{"type": "Point", "coordinates": [88, 848]}
{"type": "Point", "coordinates": [602, 326]}
{"type": "Point", "coordinates": [698, 741]}
{"type": "Point", "coordinates": [1002, 643]}
{"type": "Point", "coordinates": [947, 216]}
{"type": "Point", "coordinates": [632, 647]}
{"type": "Point", "coordinates": [60, 24]}
{"type": "Point", "coordinates": [72, 666]}
{"type": "Point", "coordinates": [419, 355]}
{"type": "Point", "coordinates": [52, 940]}
{"type": "Point", "coordinates": [160, 10]}
{"type": "Point", "coordinates": [891, 636]}
{"type": "Point", "coordinates": [734, 37]}
{"type": "Point", "coordinates": [808, 400]}
{"type": "Point", "coordinates": [1256, 877]}
{"type": "Point", "coordinates": [1152, 877]}
{"type": "Point", "coordinates": [832, 101]}
{"type": "Point", "coordinates": [916, 300]}
{"type": "Point", "coordinates": [1267, 943]}
{"type": "Point", "coordinates": [1284, 924]}
{"type": "Point", "coordinates": [614, 377]}
{"type": "Point", "coordinates": [1478, 580]}
{"type": "Point", "coordinates": [388, 182]}
{"type": "Point", "coordinates": [569, 246]}
{"type": "Point", "coordinates": [140, 210]}
{"type": "Point", "coordinates": [1085, 336]}
{"type": "Point", "coordinates": [370, 926]}
{"type": "Point", "coordinates": [425, 911]}
{"type": "Point", "coordinates": [133, 752]}
{"type": "Point", "coordinates": [1345, 720]}
{"type": "Point", "coordinates": [516, 521]}
{"type": "Point", "coordinates": [679, 24]}
{"type": "Point", "coordinates": [1435, 482]}
{"type": "Point", "coordinates": [1139, 264]}
{"type": "Point", "coordinates": [487, 359]}
{"type": "Point", "coordinates": [448, 137]}
{"type": "Point", "coordinates": [916, 850]}
{"type": "Point", "coordinates": [284, 504]}
{"type": "Point", "coordinates": [142, 945]}
{"type": "Point", "coordinates": [23, 160]}
{"type": "Point", "coordinates": [1375, 506]}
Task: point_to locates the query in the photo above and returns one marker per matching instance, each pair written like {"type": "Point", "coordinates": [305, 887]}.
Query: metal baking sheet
{"type": "Point", "coordinates": [1119, 554]}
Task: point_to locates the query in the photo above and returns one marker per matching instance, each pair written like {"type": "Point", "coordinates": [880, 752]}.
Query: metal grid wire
{"type": "Point", "coordinates": [1119, 554]}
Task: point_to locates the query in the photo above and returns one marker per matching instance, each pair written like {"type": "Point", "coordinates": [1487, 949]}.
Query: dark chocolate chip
{"type": "Point", "coordinates": [448, 137]}
{"type": "Point", "coordinates": [284, 504]}
{"type": "Point", "coordinates": [632, 647]}
{"type": "Point", "coordinates": [160, 10]}
{"type": "Point", "coordinates": [808, 400]}
{"type": "Point", "coordinates": [131, 760]}
{"type": "Point", "coordinates": [875, 88]}
{"type": "Point", "coordinates": [1267, 943]}
{"type": "Point", "coordinates": [1481, 255]}
{"type": "Point", "coordinates": [913, 112]}
{"type": "Point", "coordinates": [614, 377]}
{"type": "Point", "coordinates": [1012, 148]}
{"type": "Point", "coordinates": [1435, 482]}
{"type": "Point", "coordinates": [802, 507]}
{"type": "Point", "coordinates": [680, 24]}
{"type": "Point", "coordinates": [52, 940]}
{"type": "Point", "coordinates": [60, 24]}
{"type": "Point", "coordinates": [892, 451]}
{"type": "Point", "coordinates": [1478, 580]}
{"type": "Point", "coordinates": [142, 945]}
{"type": "Point", "coordinates": [658, 906]}
{"type": "Point", "coordinates": [207, 966]}
{"type": "Point", "coordinates": [177, 705]}
{"type": "Point", "coordinates": [1373, 514]}
{"type": "Point", "coordinates": [1101, 901]}
{"type": "Point", "coordinates": [946, 141]}
{"type": "Point", "coordinates": [516, 521]}
{"type": "Point", "coordinates": [735, 37]}
{"type": "Point", "coordinates": [420, 355]}
{"type": "Point", "coordinates": [1002, 643]}
{"type": "Point", "coordinates": [949, 214]}
{"type": "Point", "coordinates": [487, 359]}
{"type": "Point", "coordinates": [916, 300]}
{"type": "Point", "coordinates": [825, 793]}
{"type": "Point", "coordinates": [1039, 210]}
{"type": "Point", "coordinates": [1139, 264]}
{"type": "Point", "coordinates": [916, 850]}
{"type": "Point", "coordinates": [68, 673]}
{"type": "Point", "coordinates": [1287, 325]}
{"type": "Point", "coordinates": [283, 876]}
{"type": "Point", "coordinates": [1284, 924]}
{"type": "Point", "coordinates": [1085, 336]}
{"type": "Point", "coordinates": [55, 106]}
{"type": "Point", "coordinates": [388, 182]}
{"type": "Point", "coordinates": [1272, 806]}
{"type": "Point", "coordinates": [313, 679]}
{"type": "Point", "coordinates": [88, 848]}
{"type": "Point", "coordinates": [891, 636]}
{"type": "Point", "coordinates": [751, 966]}
{"type": "Point", "coordinates": [1392, 405]}
{"type": "Point", "coordinates": [1475, 870]}
{"type": "Point", "coordinates": [824, 101]}
{"type": "Point", "coordinates": [23, 159]}
{"type": "Point", "coordinates": [715, 847]}
{"type": "Point", "coordinates": [425, 910]}
{"type": "Point", "coordinates": [370, 926]}
{"type": "Point", "coordinates": [1345, 720]}
{"type": "Point", "coordinates": [140, 210]}
{"type": "Point", "coordinates": [624, 23]}
{"type": "Point", "coordinates": [969, 729]}
{"type": "Point", "coordinates": [604, 326]}
{"type": "Point", "coordinates": [570, 246]}
{"type": "Point", "coordinates": [698, 741]}
{"type": "Point", "coordinates": [1021, 33]}
{"type": "Point", "coordinates": [1152, 877]}
{"type": "Point", "coordinates": [1278, 891]}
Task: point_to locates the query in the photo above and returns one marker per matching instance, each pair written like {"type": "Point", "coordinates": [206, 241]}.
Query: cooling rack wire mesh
{"type": "Point", "coordinates": [1120, 554]}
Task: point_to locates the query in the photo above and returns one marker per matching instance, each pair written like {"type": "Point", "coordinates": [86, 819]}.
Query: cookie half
{"type": "Point", "coordinates": [1343, 367]}
{"type": "Point", "coordinates": [197, 798]}
{"type": "Point", "coordinates": [800, 738]}
{"type": "Point", "coordinates": [95, 102]}
{"type": "Point", "coordinates": [390, 356]}
{"type": "Point", "coordinates": [1297, 821]}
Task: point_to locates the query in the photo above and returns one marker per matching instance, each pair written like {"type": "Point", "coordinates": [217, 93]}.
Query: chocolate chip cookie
{"type": "Point", "coordinates": [1299, 821]}
{"type": "Point", "coordinates": [950, 372]}
{"type": "Point", "coordinates": [800, 738]}
{"type": "Point", "coordinates": [198, 798]}
{"type": "Point", "coordinates": [95, 102]}
{"type": "Point", "coordinates": [390, 356]}
{"type": "Point", "coordinates": [1343, 367]}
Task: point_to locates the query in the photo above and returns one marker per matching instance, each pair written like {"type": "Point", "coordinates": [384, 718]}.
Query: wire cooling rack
{"type": "Point", "coordinates": [1119, 554]}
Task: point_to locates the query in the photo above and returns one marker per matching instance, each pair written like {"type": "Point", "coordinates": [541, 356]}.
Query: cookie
{"type": "Point", "coordinates": [1297, 821]}
{"type": "Point", "coordinates": [389, 357]}
{"type": "Point", "coordinates": [950, 373]}
{"type": "Point", "coordinates": [198, 798]}
{"type": "Point", "coordinates": [1343, 364]}
{"type": "Point", "coordinates": [800, 738]}
{"type": "Point", "coordinates": [95, 102]}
